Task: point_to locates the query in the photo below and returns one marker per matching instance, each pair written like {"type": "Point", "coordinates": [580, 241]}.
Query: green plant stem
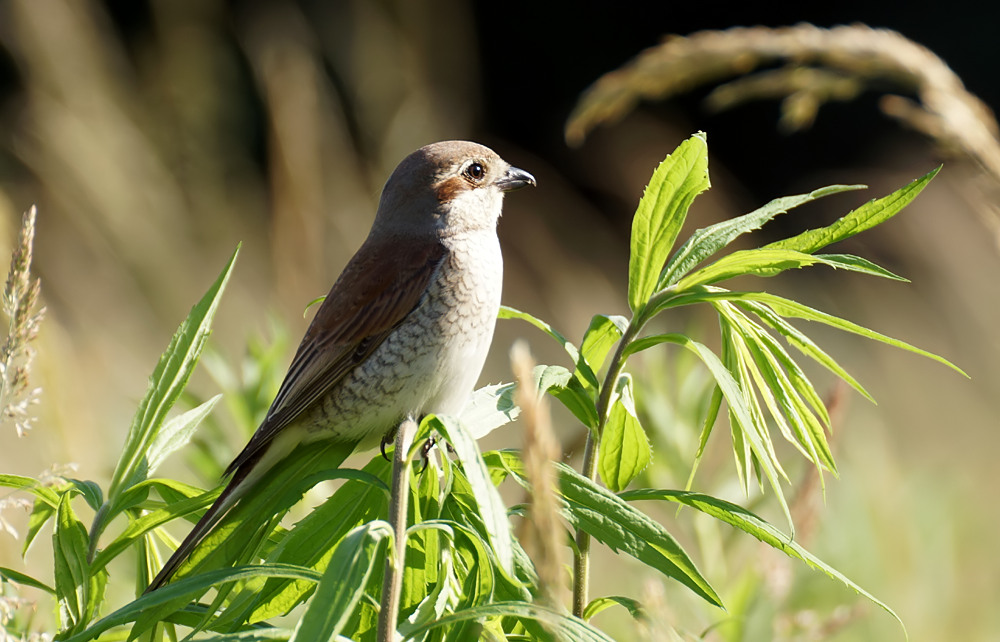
{"type": "Point", "coordinates": [392, 581]}
{"type": "Point", "coordinates": [581, 558]}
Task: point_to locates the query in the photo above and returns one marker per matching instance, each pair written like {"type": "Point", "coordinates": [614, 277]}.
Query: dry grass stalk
{"type": "Point", "coordinates": [820, 65]}
{"type": "Point", "coordinates": [542, 532]}
{"type": "Point", "coordinates": [20, 304]}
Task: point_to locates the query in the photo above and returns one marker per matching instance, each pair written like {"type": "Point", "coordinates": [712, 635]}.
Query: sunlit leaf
{"type": "Point", "coordinates": [749, 523]}
{"type": "Point", "coordinates": [706, 241]}
{"type": "Point", "coordinates": [865, 217]}
{"type": "Point", "coordinates": [661, 214]}
{"type": "Point", "coordinates": [625, 451]}
{"type": "Point", "coordinates": [342, 585]}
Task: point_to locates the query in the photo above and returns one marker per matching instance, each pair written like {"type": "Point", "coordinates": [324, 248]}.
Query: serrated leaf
{"type": "Point", "coordinates": [661, 213]}
{"type": "Point", "coordinates": [343, 583]}
{"type": "Point", "coordinates": [797, 423]}
{"type": "Point", "coordinates": [708, 240]}
{"type": "Point", "coordinates": [759, 262]}
{"type": "Point", "coordinates": [625, 451]}
{"type": "Point", "coordinates": [614, 523]}
{"type": "Point", "coordinates": [585, 372]}
{"type": "Point", "coordinates": [865, 217]}
{"type": "Point", "coordinates": [611, 521]}
{"type": "Point", "coordinates": [749, 523]}
{"type": "Point", "coordinates": [858, 264]}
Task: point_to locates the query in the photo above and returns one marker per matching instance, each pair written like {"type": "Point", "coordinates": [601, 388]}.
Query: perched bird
{"type": "Point", "coordinates": [406, 327]}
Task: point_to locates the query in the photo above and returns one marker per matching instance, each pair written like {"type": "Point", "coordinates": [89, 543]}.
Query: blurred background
{"type": "Point", "coordinates": [155, 135]}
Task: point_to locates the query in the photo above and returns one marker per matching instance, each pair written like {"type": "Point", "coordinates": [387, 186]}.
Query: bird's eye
{"type": "Point", "coordinates": [475, 171]}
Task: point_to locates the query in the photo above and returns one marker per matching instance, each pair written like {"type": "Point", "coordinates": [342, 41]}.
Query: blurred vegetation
{"type": "Point", "coordinates": [155, 135]}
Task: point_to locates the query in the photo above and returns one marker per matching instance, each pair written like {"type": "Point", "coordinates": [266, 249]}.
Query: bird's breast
{"type": "Point", "coordinates": [430, 362]}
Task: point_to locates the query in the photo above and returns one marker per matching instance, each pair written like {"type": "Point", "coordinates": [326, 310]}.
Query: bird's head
{"type": "Point", "coordinates": [447, 188]}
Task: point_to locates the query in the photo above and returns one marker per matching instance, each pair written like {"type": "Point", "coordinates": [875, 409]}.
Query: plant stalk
{"type": "Point", "coordinates": [392, 581]}
{"type": "Point", "coordinates": [581, 558]}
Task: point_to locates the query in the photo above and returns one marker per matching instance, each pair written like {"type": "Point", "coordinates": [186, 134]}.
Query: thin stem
{"type": "Point", "coordinates": [392, 581]}
{"type": "Point", "coordinates": [581, 558]}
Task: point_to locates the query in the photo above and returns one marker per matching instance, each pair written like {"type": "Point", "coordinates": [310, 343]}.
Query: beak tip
{"type": "Point", "coordinates": [516, 178]}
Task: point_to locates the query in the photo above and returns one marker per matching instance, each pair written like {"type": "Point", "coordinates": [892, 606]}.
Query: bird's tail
{"type": "Point", "coordinates": [237, 487]}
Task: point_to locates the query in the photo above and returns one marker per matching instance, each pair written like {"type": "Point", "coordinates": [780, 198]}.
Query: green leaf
{"type": "Point", "coordinates": [796, 421]}
{"type": "Point", "coordinates": [491, 506]}
{"type": "Point", "coordinates": [741, 414]}
{"type": "Point", "coordinates": [33, 486]}
{"type": "Point", "coordinates": [563, 627]}
{"type": "Point", "coordinates": [90, 491]}
{"type": "Point", "coordinates": [661, 213]}
{"type": "Point", "coordinates": [611, 521]}
{"type": "Point", "coordinates": [858, 264]}
{"type": "Point", "coordinates": [343, 583]}
{"type": "Point", "coordinates": [711, 415]}
{"type": "Point", "coordinates": [865, 217]}
{"type": "Point", "coordinates": [176, 433]}
{"type": "Point", "coordinates": [79, 590]}
{"type": "Point", "coordinates": [759, 262]}
{"type": "Point", "coordinates": [489, 408]}
{"type": "Point", "coordinates": [803, 344]}
{"type": "Point", "coordinates": [507, 312]}
{"type": "Point", "coordinates": [708, 240]}
{"type": "Point", "coordinates": [310, 544]}
{"type": "Point", "coordinates": [268, 634]}
{"type": "Point", "coordinates": [749, 523]}
{"type": "Point", "coordinates": [41, 513]}
{"type": "Point", "coordinates": [793, 309]}
{"type": "Point", "coordinates": [137, 528]}
{"type": "Point", "coordinates": [44, 507]}
{"type": "Point", "coordinates": [567, 389]}
{"type": "Point", "coordinates": [596, 606]}
{"type": "Point", "coordinates": [182, 591]}
{"type": "Point", "coordinates": [166, 384]}
{"type": "Point", "coordinates": [617, 525]}
{"type": "Point", "coordinates": [246, 525]}
{"type": "Point", "coordinates": [625, 451]}
{"type": "Point", "coordinates": [603, 333]}
{"type": "Point", "coordinates": [10, 575]}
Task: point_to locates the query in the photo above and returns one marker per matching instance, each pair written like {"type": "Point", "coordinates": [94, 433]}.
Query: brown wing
{"type": "Point", "coordinates": [379, 287]}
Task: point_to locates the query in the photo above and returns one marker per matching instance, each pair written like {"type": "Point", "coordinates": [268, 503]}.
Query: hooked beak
{"type": "Point", "coordinates": [515, 179]}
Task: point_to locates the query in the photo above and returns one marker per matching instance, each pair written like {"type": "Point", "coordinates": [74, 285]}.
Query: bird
{"type": "Point", "coordinates": [405, 329]}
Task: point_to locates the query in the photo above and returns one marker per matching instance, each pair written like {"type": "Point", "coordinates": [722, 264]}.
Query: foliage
{"type": "Point", "coordinates": [465, 573]}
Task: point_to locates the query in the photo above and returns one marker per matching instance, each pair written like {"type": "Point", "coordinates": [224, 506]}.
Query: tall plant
{"type": "Point", "coordinates": [461, 572]}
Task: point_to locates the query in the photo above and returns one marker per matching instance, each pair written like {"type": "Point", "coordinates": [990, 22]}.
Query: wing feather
{"type": "Point", "coordinates": [380, 286]}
